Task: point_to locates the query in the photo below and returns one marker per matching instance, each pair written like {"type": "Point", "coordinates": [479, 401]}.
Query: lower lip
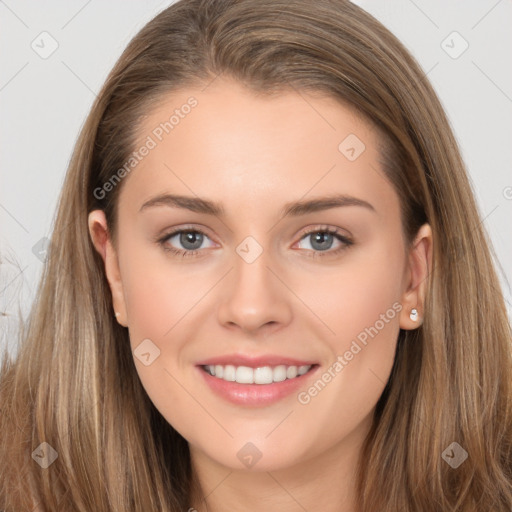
{"type": "Point", "coordinates": [255, 395]}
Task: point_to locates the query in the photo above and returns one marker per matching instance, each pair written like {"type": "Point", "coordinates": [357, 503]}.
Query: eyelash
{"type": "Point", "coordinates": [347, 242]}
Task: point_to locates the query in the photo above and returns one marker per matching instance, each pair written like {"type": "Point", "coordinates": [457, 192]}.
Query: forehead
{"type": "Point", "coordinates": [229, 144]}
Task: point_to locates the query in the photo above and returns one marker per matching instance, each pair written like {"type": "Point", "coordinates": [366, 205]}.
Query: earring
{"type": "Point", "coordinates": [414, 315]}
{"type": "Point", "coordinates": [117, 314]}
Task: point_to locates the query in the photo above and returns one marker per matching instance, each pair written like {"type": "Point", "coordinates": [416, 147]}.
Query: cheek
{"type": "Point", "coordinates": [350, 298]}
{"type": "Point", "coordinates": [159, 297]}
{"type": "Point", "coordinates": [360, 304]}
{"type": "Point", "coordinates": [158, 293]}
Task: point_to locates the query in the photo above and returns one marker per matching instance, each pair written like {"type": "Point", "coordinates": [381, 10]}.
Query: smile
{"type": "Point", "coordinates": [258, 386]}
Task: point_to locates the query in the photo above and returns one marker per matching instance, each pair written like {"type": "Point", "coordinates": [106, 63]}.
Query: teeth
{"type": "Point", "coordinates": [291, 372]}
{"type": "Point", "coordinates": [264, 375]}
{"type": "Point", "coordinates": [244, 375]}
{"type": "Point", "coordinates": [303, 369]}
{"type": "Point", "coordinates": [261, 375]}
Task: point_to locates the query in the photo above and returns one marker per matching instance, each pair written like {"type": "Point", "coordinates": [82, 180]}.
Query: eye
{"type": "Point", "coordinates": [321, 240]}
{"type": "Point", "coordinates": [190, 239]}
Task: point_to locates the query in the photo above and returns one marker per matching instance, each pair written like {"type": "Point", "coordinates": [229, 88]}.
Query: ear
{"type": "Point", "coordinates": [100, 236]}
{"type": "Point", "coordinates": [419, 268]}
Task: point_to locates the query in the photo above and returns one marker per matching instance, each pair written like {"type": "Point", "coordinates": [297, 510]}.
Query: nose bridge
{"type": "Point", "coordinates": [251, 266]}
{"type": "Point", "coordinates": [255, 296]}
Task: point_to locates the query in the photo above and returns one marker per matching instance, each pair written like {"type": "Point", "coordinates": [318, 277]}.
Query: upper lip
{"type": "Point", "coordinates": [255, 361]}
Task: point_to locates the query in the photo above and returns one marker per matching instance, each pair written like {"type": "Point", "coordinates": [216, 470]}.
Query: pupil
{"type": "Point", "coordinates": [321, 238]}
{"type": "Point", "coordinates": [189, 237]}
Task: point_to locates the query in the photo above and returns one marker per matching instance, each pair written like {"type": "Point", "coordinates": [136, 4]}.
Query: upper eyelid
{"type": "Point", "coordinates": [173, 232]}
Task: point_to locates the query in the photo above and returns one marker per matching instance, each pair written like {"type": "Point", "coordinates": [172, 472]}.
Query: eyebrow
{"type": "Point", "coordinates": [294, 208]}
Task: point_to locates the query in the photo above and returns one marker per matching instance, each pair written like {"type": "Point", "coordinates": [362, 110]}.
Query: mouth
{"type": "Point", "coordinates": [256, 385]}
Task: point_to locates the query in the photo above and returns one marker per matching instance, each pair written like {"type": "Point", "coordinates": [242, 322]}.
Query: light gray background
{"type": "Point", "coordinates": [44, 101]}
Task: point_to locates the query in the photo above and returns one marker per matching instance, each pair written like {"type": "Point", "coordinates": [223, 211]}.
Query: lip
{"type": "Point", "coordinates": [254, 395]}
{"type": "Point", "coordinates": [255, 361]}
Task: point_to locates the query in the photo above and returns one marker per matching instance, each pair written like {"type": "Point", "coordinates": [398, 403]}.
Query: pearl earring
{"type": "Point", "coordinates": [117, 314]}
{"type": "Point", "coordinates": [414, 315]}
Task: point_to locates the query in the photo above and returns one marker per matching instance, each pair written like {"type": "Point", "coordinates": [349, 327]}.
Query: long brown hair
{"type": "Point", "coordinates": [74, 384]}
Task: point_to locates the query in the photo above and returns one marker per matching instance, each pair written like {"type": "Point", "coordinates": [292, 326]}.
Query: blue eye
{"type": "Point", "coordinates": [322, 239]}
{"type": "Point", "coordinates": [190, 239]}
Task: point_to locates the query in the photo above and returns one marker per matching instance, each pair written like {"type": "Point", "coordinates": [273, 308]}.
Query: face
{"type": "Point", "coordinates": [283, 258]}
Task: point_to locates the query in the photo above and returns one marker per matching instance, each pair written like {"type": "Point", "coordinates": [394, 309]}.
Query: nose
{"type": "Point", "coordinates": [254, 298]}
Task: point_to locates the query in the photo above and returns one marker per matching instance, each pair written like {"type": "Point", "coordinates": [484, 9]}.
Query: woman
{"type": "Point", "coordinates": [365, 370]}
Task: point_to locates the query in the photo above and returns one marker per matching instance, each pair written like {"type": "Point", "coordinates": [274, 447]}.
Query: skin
{"type": "Point", "coordinates": [253, 155]}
